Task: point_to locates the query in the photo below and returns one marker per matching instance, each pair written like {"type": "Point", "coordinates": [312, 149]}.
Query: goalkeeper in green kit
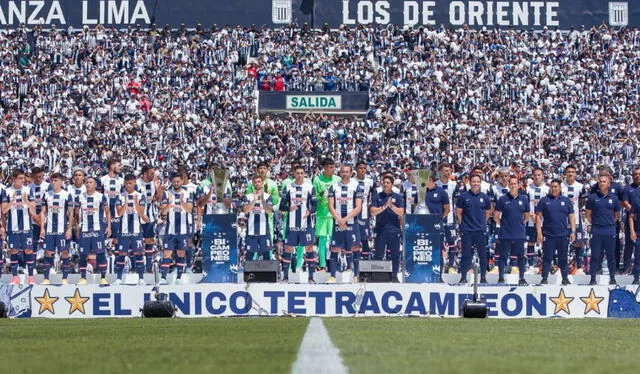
{"type": "Point", "coordinates": [324, 220]}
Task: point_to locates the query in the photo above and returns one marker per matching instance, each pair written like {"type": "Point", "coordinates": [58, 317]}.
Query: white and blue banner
{"type": "Point", "coordinates": [423, 238]}
{"type": "Point", "coordinates": [413, 13]}
{"type": "Point", "coordinates": [346, 300]}
{"type": "Point", "coordinates": [220, 249]}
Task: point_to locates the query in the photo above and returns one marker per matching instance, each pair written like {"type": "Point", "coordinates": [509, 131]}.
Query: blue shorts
{"type": "Point", "coordinates": [450, 234]}
{"type": "Point", "coordinates": [365, 229]}
{"type": "Point", "coordinates": [176, 242]}
{"type": "Point", "coordinates": [303, 238]}
{"type": "Point", "coordinates": [115, 227]}
{"type": "Point", "coordinates": [258, 243]}
{"type": "Point", "coordinates": [132, 243]}
{"type": "Point", "coordinates": [346, 239]}
{"type": "Point", "coordinates": [20, 241]}
{"type": "Point", "coordinates": [531, 233]}
{"type": "Point", "coordinates": [55, 242]}
{"type": "Point", "coordinates": [91, 243]}
{"type": "Point", "coordinates": [148, 230]}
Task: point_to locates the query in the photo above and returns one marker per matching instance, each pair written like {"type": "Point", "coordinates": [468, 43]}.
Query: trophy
{"type": "Point", "coordinates": [219, 180]}
{"type": "Point", "coordinates": [420, 178]}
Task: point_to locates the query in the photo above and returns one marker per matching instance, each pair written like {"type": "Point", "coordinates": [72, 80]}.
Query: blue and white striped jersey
{"type": "Point", "coordinates": [367, 186]}
{"type": "Point", "coordinates": [344, 198]}
{"type": "Point", "coordinates": [575, 192]}
{"type": "Point", "coordinates": [91, 212]}
{"type": "Point", "coordinates": [177, 218]}
{"type": "Point", "coordinates": [112, 187]}
{"type": "Point", "coordinates": [38, 191]}
{"type": "Point", "coordinates": [304, 199]}
{"type": "Point", "coordinates": [410, 194]}
{"type": "Point", "coordinates": [148, 189]}
{"type": "Point", "coordinates": [191, 190]}
{"type": "Point", "coordinates": [257, 220]}
{"type": "Point", "coordinates": [76, 191]}
{"type": "Point", "coordinates": [535, 193]}
{"type": "Point", "coordinates": [18, 218]}
{"type": "Point", "coordinates": [131, 222]}
{"type": "Point", "coordinates": [497, 191]}
{"type": "Point", "coordinates": [58, 206]}
{"type": "Point", "coordinates": [450, 187]}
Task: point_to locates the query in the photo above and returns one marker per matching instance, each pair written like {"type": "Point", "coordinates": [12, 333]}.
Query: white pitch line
{"type": "Point", "coordinates": [317, 353]}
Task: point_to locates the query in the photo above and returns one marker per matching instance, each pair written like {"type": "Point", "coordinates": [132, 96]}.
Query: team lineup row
{"type": "Point", "coordinates": [329, 212]}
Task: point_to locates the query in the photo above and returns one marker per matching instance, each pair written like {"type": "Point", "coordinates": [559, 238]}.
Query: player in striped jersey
{"type": "Point", "coordinates": [257, 205]}
{"type": "Point", "coordinates": [149, 185]}
{"type": "Point", "coordinates": [535, 191]}
{"type": "Point", "coordinates": [410, 192]}
{"type": "Point", "coordinates": [57, 219]}
{"type": "Point", "coordinates": [131, 207]}
{"type": "Point", "coordinates": [577, 193]}
{"type": "Point", "coordinates": [297, 258]}
{"type": "Point", "coordinates": [94, 225]}
{"type": "Point", "coordinates": [112, 188]}
{"type": "Point", "coordinates": [176, 205]}
{"type": "Point", "coordinates": [38, 187]}
{"type": "Point", "coordinates": [190, 188]}
{"type": "Point", "coordinates": [19, 208]}
{"type": "Point", "coordinates": [299, 200]}
{"type": "Point", "coordinates": [345, 203]}
{"type": "Point", "coordinates": [76, 188]}
{"type": "Point", "coordinates": [269, 186]}
{"type": "Point", "coordinates": [498, 189]}
{"type": "Point", "coordinates": [450, 186]}
{"type": "Point", "coordinates": [364, 222]}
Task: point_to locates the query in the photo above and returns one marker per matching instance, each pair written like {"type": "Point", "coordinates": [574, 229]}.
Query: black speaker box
{"type": "Point", "coordinates": [158, 309]}
{"type": "Point", "coordinates": [261, 271]}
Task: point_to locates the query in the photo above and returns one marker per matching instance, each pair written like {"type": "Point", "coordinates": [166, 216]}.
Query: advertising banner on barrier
{"type": "Point", "coordinates": [349, 103]}
{"type": "Point", "coordinates": [220, 249]}
{"type": "Point", "coordinates": [348, 300]}
{"type": "Point", "coordinates": [431, 13]}
{"type": "Point", "coordinates": [423, 244]}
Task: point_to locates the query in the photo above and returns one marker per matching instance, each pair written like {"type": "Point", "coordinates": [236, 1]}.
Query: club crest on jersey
{"type": "Point", "coordinates": [435, 195]}
{"type": "Point", "coordinates": [481, 200]}
{"type": "Point", "coordinates": [610, 201]}
{"type": "Point", "coordinates": [562, 203]}
{"type": "Point", "coordinates": [519, 202]}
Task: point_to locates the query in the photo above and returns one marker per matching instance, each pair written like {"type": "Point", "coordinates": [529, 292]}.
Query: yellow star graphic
{"type": "Point", "coordinates": [562, 302]}
{"type": "Point", "coordinates": [592, 302]}
{"type": "Point", "coordinates": [46, 302]}
{"type": "Point", "coordinates": [76, 302]}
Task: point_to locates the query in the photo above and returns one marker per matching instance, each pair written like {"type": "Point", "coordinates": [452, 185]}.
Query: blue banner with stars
{"type": "Point", "coordinates": [423, 240]}
{"type": "Point", "coordinates": [337, 300]}
{"type": "Point", "coordinates": [220, 249]}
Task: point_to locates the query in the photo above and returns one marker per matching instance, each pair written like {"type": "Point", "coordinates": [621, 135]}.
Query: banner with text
{"type": "Point", "coordinates": [355, 103]}
{"type": "Point", "coordinates": [423, 238]}
{"type": "Point", "coordinates": [220, 249]}
{"type": "Point", "coordinates": [346, 300]}
{"type": "Point", "coordinates": [448, 13]}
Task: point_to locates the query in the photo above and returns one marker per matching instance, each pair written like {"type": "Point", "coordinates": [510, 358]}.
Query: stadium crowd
{"type": "Point", "coordinates": [186, 100]}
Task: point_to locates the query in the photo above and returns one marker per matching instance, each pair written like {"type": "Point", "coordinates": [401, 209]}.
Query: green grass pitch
{"type": "Point", "coordinates": [367, 345]}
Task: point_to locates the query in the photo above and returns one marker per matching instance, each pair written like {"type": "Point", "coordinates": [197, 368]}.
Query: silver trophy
{"type": "Point", "coordinates": [219, 180]}
{"type": "Point", "coordinates": [420, 179]}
